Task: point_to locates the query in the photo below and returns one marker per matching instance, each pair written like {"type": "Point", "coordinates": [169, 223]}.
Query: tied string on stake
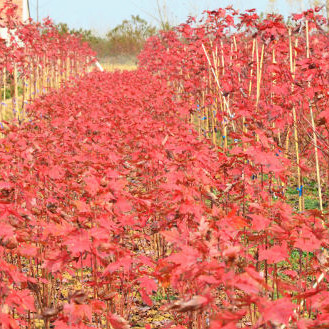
{"type": "Point", "coordinates": [278, 153]}
{"type": "Point", "coordinates": [300, 190]}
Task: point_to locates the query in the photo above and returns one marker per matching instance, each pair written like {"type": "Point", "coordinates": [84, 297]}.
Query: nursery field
{"type": "Point", "coordinates": [189, 193]}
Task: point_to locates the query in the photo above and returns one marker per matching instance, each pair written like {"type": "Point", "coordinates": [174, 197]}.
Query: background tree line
{"type": "Point", "coordinates": [126, 39]}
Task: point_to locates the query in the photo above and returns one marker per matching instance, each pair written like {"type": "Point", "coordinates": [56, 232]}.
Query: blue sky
{"type": "Point", "coordinates": [101, 15]}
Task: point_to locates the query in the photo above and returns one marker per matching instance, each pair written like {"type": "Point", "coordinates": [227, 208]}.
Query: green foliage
{"type": "Point", "coordinates": [160, 296]}
{"type": "Point", "coordinates": [86, 35]}
{"type": "Point", "coordinates": [129, 36]}
{"type": "Point", "coordinates": [98, 44]}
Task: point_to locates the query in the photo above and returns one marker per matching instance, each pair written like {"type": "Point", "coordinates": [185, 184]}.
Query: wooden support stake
{"type": "Point", "coordinates": [299, 180]}
{"type": "Point", "coordinates": [16, 92]}
{"type": "Point", "coordinates": [314, 129]}
{"type": "Point", "coordinates": [4, 82]}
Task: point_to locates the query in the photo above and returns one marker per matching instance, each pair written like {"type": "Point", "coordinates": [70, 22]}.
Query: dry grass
{"type": "Point", "coordinates": [118, 66]}
{"type": "Point", "coordinates": [121, 63]}
{"type": "Point", "coordinates": [7, 109]}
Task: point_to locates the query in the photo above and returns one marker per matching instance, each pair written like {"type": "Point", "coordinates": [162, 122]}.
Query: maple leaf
{"type": "Point", "coordinates": [307, 241]}
{"type": "Point", "coordinates": [123, 205]}
{"type": "Point", "coordinates": [187, 257]}
{"type": "Point", "coordinates": [124, 262]}
{"type": "Point", "coordinates": [277, 312]}
{"type": "Point", "coordinates": [77, 313]}
{"type": "Point", "coordinates": [274, 254]}
{"type": "Point", "coordinates": [172, 236]}
{"type": "Point", "coordinates": [7, 322]}
{"type": "Point", "coordinates": [259, 222]}
{"type": "Point", "coordinates": [148, 284]}
{"type": "Point", "coordinates": [146, 299]}
{"type": "Point", "coordinates": [27, 250]}
{"type": "Point", "coordinates": [21, 300]}
{"type": "Point", "coordinates": [117, 322]}
{"type": "Point", "coordinates": [7, 231]}
{"type": "Point", "coordinates": [56, 261]}
{"type": "Point", "coordinates": [56, 173]}
{"type": "Point", "coordinates": [6, 185]}
{"type": "Point", "coordinates": [78, 242]}
{"type": "Point", "coordinates": [208, 279]}
{"type": "Point", "coordinates": [82, 206]}
{"type": "Point", "coordinates": [194, 304]}
{"type": "Point", "coordinates": [92, 185]}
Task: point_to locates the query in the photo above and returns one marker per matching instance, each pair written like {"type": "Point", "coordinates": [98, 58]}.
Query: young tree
{"type": "Point", "coordinates": [312, 3]}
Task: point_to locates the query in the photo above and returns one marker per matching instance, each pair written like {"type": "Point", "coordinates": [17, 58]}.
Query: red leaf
{"type": "Point", "coordinates": [146, 299]}
{"type": "Point", "coordinates": [148, 284]}
{"type": "Point", "coordinates": [274, 254]}
{"type": "Point", "coordinates": [117, 322]}
{"type": "Point", "coordinates": [92, 185]}
{"type": "Point", "coordinates": [278, 312]}
{"type": "Point", "coordinates": [259, 222]}
{"type": "Point", "coordinates": [56, 173]}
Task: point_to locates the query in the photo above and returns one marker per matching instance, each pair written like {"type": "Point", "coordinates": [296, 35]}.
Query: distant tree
{"type": "Point", "coordinates": [86, 35]}
{"type": "Point", "coordinates": [129, 36]}
{"type": "Point", "coordinates": [99, 44]}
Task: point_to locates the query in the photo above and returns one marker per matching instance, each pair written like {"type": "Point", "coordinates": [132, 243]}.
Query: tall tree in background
{"type": "Point", "coordinates": [130, 36]}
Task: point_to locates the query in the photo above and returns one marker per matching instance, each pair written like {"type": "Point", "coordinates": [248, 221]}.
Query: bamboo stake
{"type": "Point", "coordinates": [24, 97]}
{"type": "Point", "coordinates": [222, 57]}
{"type": "Point", "coordinates": [221, 105]}
{"type": "Point", "coordinates": [252, 69]}
{"type": "Point", "coordinates": [292, 69]}
{"type": "Point", "coordinates": [37, 81]}
{"type": "Point", "coordinates": [30, 86]}
{"type": "Point", "coordinates": [259, 63]}
{"type": "Point", "coordinates": [218, 85]}
{"type": "Point", "coordinates": [34, 82]}
{"type": "Point", "coordinates": [16, 91]}
{"type": "Point", "coordinates": [274, 83]}
{"type": "Point", "coordinates": [202, 112]}
{"type": "Point", "coordinates": [259, 71]}
{"type": "Point", "coordinates": [235, 44]}
{"type": "Point", "coordinates": [244, 128]}
{"type": "Point", "coordinates": [313, 128]}
{"type": "Point", "coordinates": [214, 111]}
{"type": "Point", "coordinates": [4, 80]}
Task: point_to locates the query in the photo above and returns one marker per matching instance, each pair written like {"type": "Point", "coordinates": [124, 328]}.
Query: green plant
{"type": "Point", "coordinates": [129, 36]}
